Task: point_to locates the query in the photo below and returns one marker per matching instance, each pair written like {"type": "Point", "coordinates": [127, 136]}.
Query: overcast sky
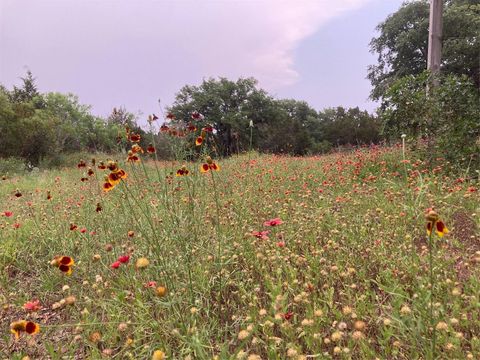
{"type": "Point", "coordinates": [133, 52]}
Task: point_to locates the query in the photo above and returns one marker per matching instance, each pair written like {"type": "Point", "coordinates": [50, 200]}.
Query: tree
{"type": "Point", "coordinates": [449, 115]}
{"type": "Point", "coordinates": [403, 43]}
{"type": "Point", "coordinates": [226, 105]}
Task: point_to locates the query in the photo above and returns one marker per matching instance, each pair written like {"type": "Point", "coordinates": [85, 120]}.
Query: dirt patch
{"type": "Point", "coordinates": [465, 230]}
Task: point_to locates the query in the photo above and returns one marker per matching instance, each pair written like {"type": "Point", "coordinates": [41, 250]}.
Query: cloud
{"type": "Point", "coordinates": [125, 52]}
{"type": "Point", "coordinates": [257, 38]}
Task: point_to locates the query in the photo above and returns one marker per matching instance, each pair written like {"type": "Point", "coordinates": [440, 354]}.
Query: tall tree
{"type": "Point", "coordinates": [402, 43]}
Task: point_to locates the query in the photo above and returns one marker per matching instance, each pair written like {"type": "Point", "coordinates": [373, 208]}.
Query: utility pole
{"type": "Point", "coordinates": [435, 37]}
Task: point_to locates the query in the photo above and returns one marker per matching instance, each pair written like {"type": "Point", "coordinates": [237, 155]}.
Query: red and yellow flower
{"type": "Point", "coordinates": [209, 165]}
{"type": "Point", "coordinates": [150, 149]}
{"type": "Point", "coordinates": [64, 263]}
{"type": "Point", "coordinates": [134, 137]}
{"type": "Point", "coordinates": [433, 221]}
{"type": "Point", "coordinates": [199, 141]}
{"type": "Point", "coordinates": [28, 327]}
{"type": "Point", "coordinates": [183, 171]}
{"type": "Point", "coordinates": [132, 157]}
{"type": "Point", "coordinates": [137, 149]}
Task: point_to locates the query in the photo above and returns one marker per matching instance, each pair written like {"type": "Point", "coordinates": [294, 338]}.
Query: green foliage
{"type": "Point", "coordinates": [35, 126]}
{"type": "Point", "coordinates": [449, 114]}
{"type": "Point", "coordinates": [403, 43]}
{"type": "Point", "coordinates": [280, 126]}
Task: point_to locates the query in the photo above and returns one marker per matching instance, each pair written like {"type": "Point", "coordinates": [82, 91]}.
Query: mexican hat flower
{"type": "Point", "coordinates": [433, 221]}
{"type": "Point", "coordinates": [28, 327]}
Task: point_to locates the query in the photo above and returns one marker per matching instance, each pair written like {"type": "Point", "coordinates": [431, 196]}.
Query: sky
{"type": "Point", "coordinates": [133, 53]}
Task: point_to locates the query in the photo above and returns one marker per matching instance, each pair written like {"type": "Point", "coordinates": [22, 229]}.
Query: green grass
{"type": "Point", "coordinates": [349, 263]}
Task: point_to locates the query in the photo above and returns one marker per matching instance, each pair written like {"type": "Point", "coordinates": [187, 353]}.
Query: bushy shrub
{"type": "Point", "coordinates": [446, 118]}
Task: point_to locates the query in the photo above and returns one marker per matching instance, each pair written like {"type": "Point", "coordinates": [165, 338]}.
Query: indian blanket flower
{"type": "Point", "coordinates": [107, 186]}
{"type": "Point", "coordinates": [7, 213]}
{"type": "Point", "coordinates": [261, 234]}
{"type": "Point", "coordinates": [433, 221]}
{"type": "Point", "coordinates": [151, 149]}
{"type": "Point", "coordinates": [33, 305]}
{"type": "Point", "coordinates": [209, 165]}
{"type": "Point", "coordinates": [116, 265]}
{"type": "Point", "coordinates": [28, 327]}
{"type": "Point", "coordinates": [134, 138]}
{"type": "Point", "coordinates": [273, 222]}
{"type": "Point", "coordinates": [183, 171]}
{"type": "Point", "coordinates": [64, 263]}
{"type": "Point", "coordinates": [198, 141]}
{"type": "Point", "coordinates": [137, 149]}
{"type": "Point", "coordinates": [132, 157]}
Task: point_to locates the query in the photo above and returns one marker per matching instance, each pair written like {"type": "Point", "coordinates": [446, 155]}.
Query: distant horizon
{"type": "Point", "coordinates": [131, 55]}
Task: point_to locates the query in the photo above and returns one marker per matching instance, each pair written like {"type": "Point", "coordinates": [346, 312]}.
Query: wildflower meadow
{"type": "Point", "coordinates": [366, 254]}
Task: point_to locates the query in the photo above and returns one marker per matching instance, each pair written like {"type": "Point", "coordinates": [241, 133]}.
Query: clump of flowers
{"type": "Point", "coordinates": [183, 171]}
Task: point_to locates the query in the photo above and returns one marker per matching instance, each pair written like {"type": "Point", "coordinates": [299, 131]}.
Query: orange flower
{"type": "Point", "coordinates": [29, 327]}
{"type": "Point", "coordinates": [132, 157]}
{"type": "Point", "coordinates": [137, 149]}
{"type": "Point", "coordinates": [433, 220]}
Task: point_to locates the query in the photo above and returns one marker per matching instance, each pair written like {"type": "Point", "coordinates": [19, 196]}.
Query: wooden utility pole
{"type": "Point", "coordinates": [435, 36]}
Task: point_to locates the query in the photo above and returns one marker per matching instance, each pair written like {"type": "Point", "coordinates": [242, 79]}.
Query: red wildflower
{"type": "Point", "coordinates": [150, 284]}
{"type": "Point", "coordinates": [123, 259]}
{"type": "Point", "coordinates": [273, 222]}
{"type": "Point", "coordinates": [261, 234]}
{"type": "Point", "coordinates": [287, 316]}
{"type": "Point", "coordinates": [33, 305]}
{"type": "Point", "coordinates": [8, 213]}
{"type": "Point", "coordinates": [115, 265]}
{"type": "Point", "coordinates": [170, 116]}
{"type": "Point", "coordinates": [150, 149]}
{"type": "Point", "coordinates": [281, 244]}
{"type": "Point", "coordinates": [164, 128]}
{"type": "Point", "coordinates": [134, 137]}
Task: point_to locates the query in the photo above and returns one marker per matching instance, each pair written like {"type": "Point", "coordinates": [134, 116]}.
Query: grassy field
{"type": "Point", "coordinates": [193, 267]}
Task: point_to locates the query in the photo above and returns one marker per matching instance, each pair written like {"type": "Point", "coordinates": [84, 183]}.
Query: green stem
{"type": "Point", "coordinates": [432, 323]}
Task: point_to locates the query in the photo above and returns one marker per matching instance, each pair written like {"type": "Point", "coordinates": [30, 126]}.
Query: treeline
{"type": "Point", "coordinates": [35, 126]}
{"type": "Point", "coordinates": [245, 117]}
